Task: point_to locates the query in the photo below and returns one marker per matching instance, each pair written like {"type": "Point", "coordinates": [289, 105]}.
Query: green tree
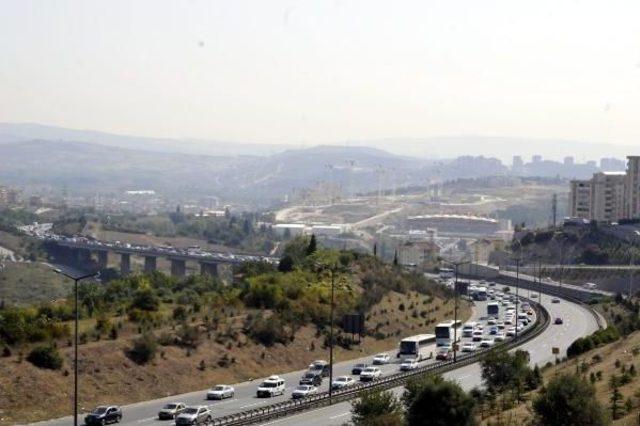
{"type": "Point", "coordinates": [568, 400]}
{"type": "Point", "coordinates": [376, 408]}
{"type": "Point", "coordinates": [313, 245]}
{"type": "Point", "coordinates": [143, 349]}
{"type": "Point", "coordinates": [441, 404]}
{"type": "Point", "coordinates": [502, 370]}
{"type": "Point", "coordinates": [414, 386]}
{"type": "Point", "coordinates": [90, 295]}
{"type": "Point", "coordinates": [45, 356]}
{"type": "Point", "coordinates": [286, 264]}
{"type": "Point", "coordinates": [614, 403]}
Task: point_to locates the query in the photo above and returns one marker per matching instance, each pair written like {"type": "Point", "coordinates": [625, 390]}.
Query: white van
{"type": "Point", "coordinates": [467, 329]}
{"type": "Point", "coordinates": [272, 386]}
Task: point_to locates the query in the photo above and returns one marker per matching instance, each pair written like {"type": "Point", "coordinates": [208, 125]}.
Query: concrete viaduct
{"type": "Point", "coordinates": [209, 262]}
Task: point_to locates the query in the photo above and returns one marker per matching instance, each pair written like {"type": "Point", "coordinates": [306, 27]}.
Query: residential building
{"type": "Point", "coordinates": [632, 187]}
{"type": "Point", "coordinates": [580, 199]}
{"type": "Point", "coordinates": [418, 254]}
{"type": "Point", "coordinates": [607, 196]}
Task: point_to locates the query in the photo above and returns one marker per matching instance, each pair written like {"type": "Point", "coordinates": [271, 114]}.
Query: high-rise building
{"type": "Point", "coordinates": [568, 161]}
{"type": "Point", "coordinates": [536, 159]}
{"type": "Point", "coordinates": [580, 199]}
{"type": "Point", "coordinates": [612, 164]}
{"type": "Point", "coordinates": [517, 163]}
{"type": "Point", "coordinates": [607, 196]}
{"type": "Point", "coordinates": [632, 187]}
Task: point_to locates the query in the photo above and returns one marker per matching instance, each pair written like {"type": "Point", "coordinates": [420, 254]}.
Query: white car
{"type": "Point", "coordinates": [272, 386]}
{"type": "Point", "coordinates": [382, 358]}
{"type": "Point", "coordinates": [370, 373]}
{"type": "Point", "coordinates": [221, 392]}
{"type": "Point", "coordinates": [303, 391]}
{"type": "Point", "coordinates": [487, 342]}
{"type": "Point", "coordinates": [477, 335]}
{"type": "Point", "coordinates": [409, 364]}
{"type": "Point", "coordinates": [491, 321]}
{"type": "Point", "coordinates": [555, 300]}
{"type": "Point", "coordinates": [468, 347]}
{"type": "Point", "coordinates": [499, 337]}
{"type": "Point", "coordinates": [511, 331]}
{"type": "Point", "coordinates": [343, 381]}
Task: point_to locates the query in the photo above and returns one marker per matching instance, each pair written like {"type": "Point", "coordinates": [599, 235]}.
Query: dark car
{"type": "Point", "coordinates": [322, 366]}
{"type": "Point", "coordinates": [103, 415]}
{"type": "Point", "coordinates": [312, 377]}
{"type": "Point", "coordinates": [357, 369]}
{"type": "Point", "coordinates": [558, 320]}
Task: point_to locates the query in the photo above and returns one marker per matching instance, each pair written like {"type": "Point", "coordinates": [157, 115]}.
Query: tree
{"type": "Point", "coordinates": [90, 295]}
{"type": "Point", "coordinates": [615, 406]}
{"type": "Point", "coordinates": [376, 408]}
{"type": "Point", "coordinates": [502, 370]}
{"type": "Point", "coordinates": [441, 404]}
{"type": "Point", "coordinates": [414, 386]}
{"type": "Point", "coordinates": [568, 400]}
{"type": "Point", "coordinates": [395, 258]}
{"type": "Point", "coordinates": [313, 245]}
{"type": "Point", "coordinates": [143, 349]}
{"type": "Point", "coordinates": [45, 356]}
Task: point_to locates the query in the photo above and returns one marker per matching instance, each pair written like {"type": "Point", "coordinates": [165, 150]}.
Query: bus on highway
{"type": "Point", "coordinates": [493, 309]}
{"type": "Point", "coordinates": [446, 273]}
{"type": "Point", "coordinates": [416, 347]}
{"type": "Point", "coordinates": [445, 332]}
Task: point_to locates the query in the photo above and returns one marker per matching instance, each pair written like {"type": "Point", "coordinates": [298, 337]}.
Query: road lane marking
{"type": "Point", "coordinates": [339, 415]}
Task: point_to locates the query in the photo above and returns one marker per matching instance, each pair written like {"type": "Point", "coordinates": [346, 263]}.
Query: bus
{"type": "Point", "coordinates": [445, 332]}
{"type": "Point", "coordinates": [493, 309]}
{"type": "Point", "coordinates": [446, 273]}
{"type": "Point", "coordinates": [480, 294]}
{"type": "Point", "coordinates": [416, 347]}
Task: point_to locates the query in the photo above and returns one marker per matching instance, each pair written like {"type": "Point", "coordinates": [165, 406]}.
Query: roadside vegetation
{"type": "Point", "coordinates": [144, 336]}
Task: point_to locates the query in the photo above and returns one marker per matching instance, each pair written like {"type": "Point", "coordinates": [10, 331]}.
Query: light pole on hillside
{"type": "Point", "coordinates": [76, 278]}
{"type": "Point", "coordinates": [456, 265]}
{"type": "Point", "coordinates": [518, 260]}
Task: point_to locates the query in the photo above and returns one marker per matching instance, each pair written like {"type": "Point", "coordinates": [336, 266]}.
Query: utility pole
{"type": "Point", "coordinates": [456, 265]}
{"type": "Point", "coordinates": [554, 209]}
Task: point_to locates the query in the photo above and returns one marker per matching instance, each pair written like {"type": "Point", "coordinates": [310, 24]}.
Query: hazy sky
{"type": "Point", "coordinates": [324, 71]}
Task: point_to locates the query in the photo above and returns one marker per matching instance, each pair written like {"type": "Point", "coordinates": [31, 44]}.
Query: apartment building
{"type": "Point", "coordinates": [608, 196]}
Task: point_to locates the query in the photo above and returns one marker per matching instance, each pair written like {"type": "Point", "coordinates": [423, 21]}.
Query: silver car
{"type": "Point", "coordinates": [194, 416]}
{"type": "Point", "coordinates": [221, 392]}
{"type": "Point", "coordinates": [171, 410]}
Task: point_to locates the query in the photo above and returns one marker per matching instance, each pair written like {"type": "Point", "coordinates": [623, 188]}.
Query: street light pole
{"type": "Point", "coordinates": [455, 307]}
{"type": "Point", "coordinates": [333, 272]}
{"type": "Point", "coordinates": [76, 279]}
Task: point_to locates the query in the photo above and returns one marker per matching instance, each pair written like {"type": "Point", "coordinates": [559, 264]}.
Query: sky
{"type": "Point", "coordinates": [307, 72]}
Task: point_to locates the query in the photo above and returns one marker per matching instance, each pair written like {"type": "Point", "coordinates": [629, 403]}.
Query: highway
{"type": "Point", "coordinates": [578, 321]}
{"type": "Point", "coordinates": [146, 412]}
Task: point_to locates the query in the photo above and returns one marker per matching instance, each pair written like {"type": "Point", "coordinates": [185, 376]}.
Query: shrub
{"type": "Point", "coordinates": [45, 356]}
{"type": "Point", "coordinates": [143, 349]}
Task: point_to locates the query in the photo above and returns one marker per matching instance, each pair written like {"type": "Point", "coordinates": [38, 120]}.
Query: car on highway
{"type": "Point", "coordinates": [357, 369]}
{"type": "Point", "coordinates": [311, 377]}
{"type": "Point", "coordinates": [171, 410]}
{"type": "Point", "coordinates": [342, 382]}
{"type": "Point", "coordinates": [558, 321]}
{"type": "Point", "coordinates": [104, 414]}
{"type": "Point", "coordinates": [382, 358]}
{"type": "Point", "coordinates": [370, 373]}
{"type": "Point", "coordinates": [272, 386]}
{"type": "Point", "coordinates": [494, 330]}
{"type": "Point", "coordinates": [499, 337]}
{"type": "Point", "coordinates": [555, 300]}
{"type": "Point", "coordinates": [534, 296]}
{"type": "Point", "coordinates": [444, 354]}
{"type": "Point", "coordinates": [477, 335]}
{"type": "Point", "coordinates": [303, 391]}
{"type": "Point", "coordinates": [200, 415]}
{"type": "Point", "coordinates": [320, 365]}
{"type": "Point", "coordinates": [500, 324]}
{"type": "Point", "coordinates": [487, 342]}
{"type": "Point", "coordinates": [409, 364]}
{"type": "Point", "coordinates": [221, 392]}
{"type": "Point", "coordinates": [468, 347]}
{"type": "Point", "coordinates": [511, 331]}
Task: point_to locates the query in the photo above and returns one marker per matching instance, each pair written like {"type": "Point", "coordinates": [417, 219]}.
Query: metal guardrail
{"type": "Point", "coordinates": [286, 408]}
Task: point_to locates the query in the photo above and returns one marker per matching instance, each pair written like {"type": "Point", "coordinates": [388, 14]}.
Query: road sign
{"type": "Point", "coordinates": [555, 350]}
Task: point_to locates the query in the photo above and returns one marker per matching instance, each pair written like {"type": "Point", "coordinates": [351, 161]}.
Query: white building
{"type": "Point", "coordinates": [293, 229]}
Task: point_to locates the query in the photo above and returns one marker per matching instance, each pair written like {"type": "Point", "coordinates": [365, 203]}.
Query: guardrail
{"type": "Point", "coordinates": [287, 408]}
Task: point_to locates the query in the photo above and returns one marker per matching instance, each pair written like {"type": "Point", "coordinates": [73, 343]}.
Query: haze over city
{"type": "Point", "coordinates": [306, 73]}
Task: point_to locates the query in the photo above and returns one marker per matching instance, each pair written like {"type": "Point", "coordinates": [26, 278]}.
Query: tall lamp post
{"type": "Point", "coordinates": [455, 304]}
{"type": "Point", "coordinates": [76, 278]}
{"type": "Point", "coordinates": [518, 260]}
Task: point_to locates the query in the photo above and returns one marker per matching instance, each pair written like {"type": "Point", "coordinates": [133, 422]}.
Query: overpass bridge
{"type": "Point", "coordinates": [83, 250]}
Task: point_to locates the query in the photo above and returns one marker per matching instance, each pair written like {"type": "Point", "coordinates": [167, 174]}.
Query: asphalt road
{"type": "Point", "coordinates": [145, 413]}
{"type": "Point", "coordinates": [578, 321]}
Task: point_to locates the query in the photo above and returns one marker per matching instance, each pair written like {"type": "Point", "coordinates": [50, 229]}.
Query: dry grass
{"type": "Point", "coordinates": [107, 375]}
{"type": "Point", "coordinates": [625, 352]}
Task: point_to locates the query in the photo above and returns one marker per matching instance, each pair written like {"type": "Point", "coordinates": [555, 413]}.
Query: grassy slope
{"type": "Point", "coordinates": [108, 376]}
{"type": "Point", "coordinates": [25, 283]}
{"type": "Point", "coordinates": [621, 350]}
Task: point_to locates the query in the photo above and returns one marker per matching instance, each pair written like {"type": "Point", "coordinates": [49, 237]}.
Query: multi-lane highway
{"type": "Point", "coordinates": [577, 322]}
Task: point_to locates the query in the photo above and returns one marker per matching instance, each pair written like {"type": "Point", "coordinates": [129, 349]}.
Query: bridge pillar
{"type": "Point", "coordinates": [178, 267]}
{"type": "Point", "coordinates": [207, 268]}
{"type": "Point", "coordinates": [150, 264]}
{"type": "Point", "coordinates": [125, 263]}
{"type": "Point", "coordinates": [103, 258]}
{"type": "Point", "coordinates": [83, 256]}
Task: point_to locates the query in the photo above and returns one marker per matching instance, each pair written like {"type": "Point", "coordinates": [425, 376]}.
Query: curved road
{"type": "Point", "coordinates": [577, 322]}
